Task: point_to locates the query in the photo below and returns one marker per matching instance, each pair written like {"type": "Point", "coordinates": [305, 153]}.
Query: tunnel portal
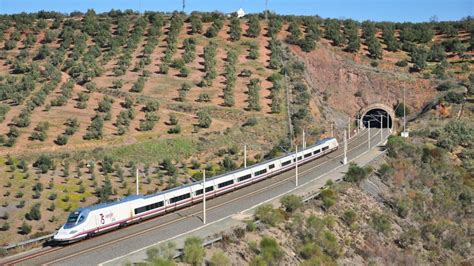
{"type": "Point", "coordinates": [378, 118]}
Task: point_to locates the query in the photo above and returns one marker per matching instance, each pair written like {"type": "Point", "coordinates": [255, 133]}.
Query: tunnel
{"type": "Point", "coordinates": [378, 118]}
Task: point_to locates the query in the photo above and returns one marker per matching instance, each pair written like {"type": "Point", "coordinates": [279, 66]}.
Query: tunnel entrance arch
{"type": "Point", "coordinates": [379, 116]}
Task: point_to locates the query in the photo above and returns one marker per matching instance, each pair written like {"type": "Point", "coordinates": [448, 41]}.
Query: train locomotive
{"type": "Point", "coordinates": [89, 221]}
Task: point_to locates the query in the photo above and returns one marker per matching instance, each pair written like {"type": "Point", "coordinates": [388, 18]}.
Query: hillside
{"type": "Point", "coordinates": [411, 207]}
{"type": "Point", "coordinates": [86, 99]}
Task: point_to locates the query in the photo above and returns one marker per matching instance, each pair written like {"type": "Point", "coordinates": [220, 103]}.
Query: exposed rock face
{"type": "Point", "coordinates": [347, 87]}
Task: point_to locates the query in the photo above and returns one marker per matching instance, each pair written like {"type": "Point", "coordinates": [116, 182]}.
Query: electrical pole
{"type": "Point", "coordinates": [388, 123]}
{"type": "Point", "coordinates": [204, 196]}
{"type": "Point", "coordinates": [381, 128]}
{"type": "Point", "coordinates": [345, 148]}
{"type": "Point", "coordinates": [349, 128]}
{"type": "Point", "coordinates": [404, 112]}
{"type": "Point", "coordinates": [184, 4]}
{"type": "Point", "coordinates": [332, 131]}
{"type": "Point", "coordinates": [296, 165]}
{"type": "Point", "coordinates": [245, 155]}
{"type": "Point", "coordinates": [369, 134]}
{"type": "Point", "coordinates": [266, 10]}
{"type": "Point", "coordinates": [304, 141]}
{"type": "Point", "coordinates": [136, 177]}
{"type": "Point", "coordinates": [290, 126]}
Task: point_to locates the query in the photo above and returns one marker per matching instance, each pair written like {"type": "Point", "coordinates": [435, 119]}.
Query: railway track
{"type": "Point", "coordinates": [75, 249]}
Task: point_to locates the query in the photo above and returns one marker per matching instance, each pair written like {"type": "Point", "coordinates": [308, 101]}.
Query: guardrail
{"type": "Point", "coordinates": [27, 242]}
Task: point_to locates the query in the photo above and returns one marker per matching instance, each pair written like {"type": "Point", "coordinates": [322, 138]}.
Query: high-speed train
{"type": "Point", "coordinates": [86, 222]}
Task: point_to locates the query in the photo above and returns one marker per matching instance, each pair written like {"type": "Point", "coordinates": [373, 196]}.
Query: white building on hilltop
{"type": "Point", "coordinates": [240, 13]}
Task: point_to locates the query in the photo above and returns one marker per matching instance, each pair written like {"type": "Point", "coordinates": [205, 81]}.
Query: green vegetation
{"type": "Point", "coordinates": [193, 251]}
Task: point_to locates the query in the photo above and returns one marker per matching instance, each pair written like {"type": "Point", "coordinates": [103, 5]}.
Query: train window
{"type": "Point", "coordinates": [325, 148]}
{"type": "Point", "coordinates": [286, 163]}
{"type": "Point", "coordinates": [225, 184]}
{"type": "Point", "coordinates": [271, 166]}
{"type": "Point", "coordinates": [317, 151]}
{"type": "Point", "coordinates": [307, 155]}
{"type": "Point", "coordinates": [299, 158]}
{"type": "Point", "coordinates": [199, 191]}
{"type": "Point", "coordinates": [149, 207]}
{"type": "Point", "coordinates": [245, 177]}
{"type": "Point", "coordinates": [261, 172]}
{"type": "Point", "coordinates": [180, 198]}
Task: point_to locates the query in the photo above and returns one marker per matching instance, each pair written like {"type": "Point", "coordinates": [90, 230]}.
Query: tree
{"type": "Point", "coordinates": [291, 202]}
{"type": "Point", "coordinates": [204, 119]}
{"type": "Point", "coordinates": [152, 106]}
{"type": "Point", "coordinates": [353, 42]}
{"type": "Point", "coordinates": [10, 45]}
{"type": "Point", "coordinates": [44, 163]}
{"type": "Point", "coordinates": [196, 23]}
{"type": "Point", "coordinates": [400, 109]}
{"type": "Point", "coordinates": [50, 36]}
{"type": "Point", "coordinates": [418, 57]}
{"type": "Point", "coordinates": [436, 53]}
{"type": "Point", "coordinates": [35, 213]}
{"type": "Point", "coordinates": [375, 49]}
{"type": "Point", "coordinates": [104, 192]}
{"type": "Point", "coordinates": [193, 251]}
{"type": "Point", "coordinates": [235, 30]}
{"type": "Point", "coordinates": [254, 95]}
{"type": "Point", "coordinates": [118, 83]}
{"type": "Point", "coordinates": [173, 119]}
{"type": "Point", "coordinates": [25, 228]}
{"type": "Point", "coordinates": [254, 27]}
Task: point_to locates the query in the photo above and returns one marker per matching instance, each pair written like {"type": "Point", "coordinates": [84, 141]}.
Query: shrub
{"type": "Point", "coordinates": [381, 223]}
{"type": "Point", "coordinates": [328, 196]}
{"type": "Point", "coordinates": [267, 214]}
{"type": "Point", "coordinates": [35, 213]}
{"type": "Point", "coordinates": [152, 106]}
{"type": "Point", "coordinates": [252, 121]}
{"type": "Point", "coordinates": [401, 63]}
{"type": "Point", "coordinates": [25, 228]}
{"type": "Point", "coordinates": [118, 83]}
{"type": "Point", "coordinates": [175, 130]}
{"type": "Point", "coordinates": [193, 251]}
{"type": "Point", "coordinates": [355, 174]}
{"type": "Point", "coordinates": [204, 119]}
{"type": "Point", "coordinates": [399, 110]}
{"type": "Point", "coordinates": [291, 202]}
{"type": "Point", "coordinates": [453, 97]}
{"type": "Point", "coordinates": [204, 97]}
{"type": "Point", "coordinates": [173, 119]}
{"type": "Point", "coordinates": [5, 227]}
{"type": "Point", "coordinates": [270, 250]}
{"type": "Point", "coordinates": [220, 259]}
{"type": "Point", "coordinates": [254, 27]}
{"type": "Point", "coordinates": [349, 217]}
{"type": "Point", "coordinates": [445, 86]}
{"type": "Point", "coordinates": [44, 163]}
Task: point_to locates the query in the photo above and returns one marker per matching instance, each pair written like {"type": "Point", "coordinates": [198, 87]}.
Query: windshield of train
{"type": "Point", "coordinates": [72, 218]}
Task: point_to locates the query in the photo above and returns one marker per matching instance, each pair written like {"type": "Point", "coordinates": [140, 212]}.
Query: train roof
{"type": "Point", "coordinates": [235, 171]}
{"type": "Point", "coordinates": [110, 203]}
{"type": "Point", "coordinates": [135, 197]}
